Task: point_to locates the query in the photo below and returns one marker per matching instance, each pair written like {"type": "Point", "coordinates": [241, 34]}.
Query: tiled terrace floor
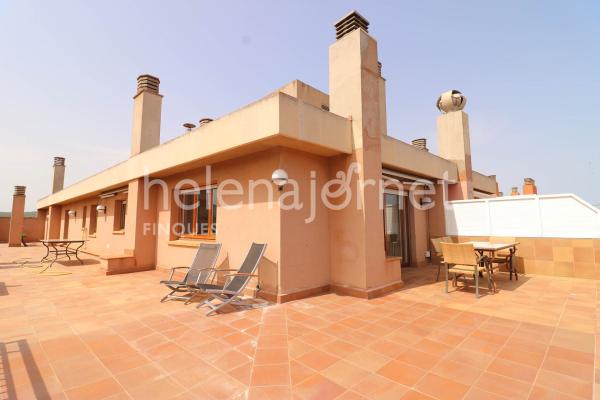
{"type": "Point", "coordinates": [88, 336]}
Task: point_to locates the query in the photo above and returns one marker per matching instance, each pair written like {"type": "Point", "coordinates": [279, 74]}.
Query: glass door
{"type": "Point", "coordinates": [396, 227]}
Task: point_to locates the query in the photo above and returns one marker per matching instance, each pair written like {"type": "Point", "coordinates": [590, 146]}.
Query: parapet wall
{"type": "Point", "coordinates": [33, 227]}
{"type": "Point", "coordinates": [573, 258]}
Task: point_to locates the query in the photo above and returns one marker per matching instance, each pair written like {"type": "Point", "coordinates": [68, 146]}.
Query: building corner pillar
{"type": "Point", "coordinates": [358, 263]}
{"type": "Point", "coordinates": [17, 217]}
{"type": "Point", "coordinates": [141, 223]}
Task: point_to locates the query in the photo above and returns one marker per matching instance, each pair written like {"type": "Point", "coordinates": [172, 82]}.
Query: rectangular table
{"type": "Point", "coordinates": [61, 248]}
{"type": "Point", "coordinates": [492, 248]}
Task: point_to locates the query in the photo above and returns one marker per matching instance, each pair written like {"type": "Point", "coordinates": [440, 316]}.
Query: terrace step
{"type": "Point", "coordinates": [120, 264]}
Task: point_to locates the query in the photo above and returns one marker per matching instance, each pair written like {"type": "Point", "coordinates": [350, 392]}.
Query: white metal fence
{"type": "Point", "coordinates": [561, 216]}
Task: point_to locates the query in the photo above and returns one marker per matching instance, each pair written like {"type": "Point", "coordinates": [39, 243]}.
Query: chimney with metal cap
{"type": "Point", "coordinates": [17, 217]}
{"type": "Point", "coordinates": [19, 191]}
{"type": "Point", "coordinates": [58, 174]}
{"type": "Point", "coordinates": [420, 144]}
{"type": "Point", "coordinates": [147, 105]}
{"type": "Point", "coordinates": [148, 83]}
{"type": "Point", "coordinates": [514, 191]}
{"type": "Point", "coordinates": [349, 23]}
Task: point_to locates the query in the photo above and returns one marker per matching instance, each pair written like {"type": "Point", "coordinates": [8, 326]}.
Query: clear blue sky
{"type": "Point", "coordinates": [530, 70]}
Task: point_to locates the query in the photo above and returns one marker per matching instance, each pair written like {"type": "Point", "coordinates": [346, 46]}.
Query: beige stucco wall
{"type": "Point", "coordinates": [105, 242]}
{"type": "Point", "coordinates": [237, 227]}
{"type": "Point", "coordinates": [305, 246]}
{"type": "Point", "coordinates": [299, 255]}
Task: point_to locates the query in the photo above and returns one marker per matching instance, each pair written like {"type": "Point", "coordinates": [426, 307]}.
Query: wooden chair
{"type": "Point", "coordinates": [504, 257]}
{"type": "Point", "coordinates": [437, 249]}
{"type": "Point", "coordinates": [462, 259]}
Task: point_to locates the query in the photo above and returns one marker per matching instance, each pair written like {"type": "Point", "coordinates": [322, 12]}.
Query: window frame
{"type": "Point", "coordinates": [212, 190]}
{"type": "Point", "coordinates": [93, 220]}
{"type": "Point", "coordinates": [83, 217]}
{"type": "Point", "coordinates": [120, 215]}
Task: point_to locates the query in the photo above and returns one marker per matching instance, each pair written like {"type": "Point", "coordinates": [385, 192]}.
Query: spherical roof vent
{"type": "Point", "coordinates": [452, 100]}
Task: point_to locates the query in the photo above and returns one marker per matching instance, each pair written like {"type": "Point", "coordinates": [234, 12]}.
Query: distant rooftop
{"type": "Point", "coordinates": [28, 214]}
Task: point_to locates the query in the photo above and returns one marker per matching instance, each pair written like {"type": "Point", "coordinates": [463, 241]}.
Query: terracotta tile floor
{"type": "Point", "coordinates": [84, 335]}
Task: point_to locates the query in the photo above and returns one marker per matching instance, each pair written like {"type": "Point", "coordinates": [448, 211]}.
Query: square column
{"type": "Point", "coordinates": [17, 217]}
{"type": "Point", "coordinates": [455, 145]}
{"type": "Point", "coordinates": [358, 262]}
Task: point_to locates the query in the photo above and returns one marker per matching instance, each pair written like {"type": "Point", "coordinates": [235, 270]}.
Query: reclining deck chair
{"type": "Point", "coordinates": [230, 292]}
{"type": "Point", "coordinates": [201, 271]}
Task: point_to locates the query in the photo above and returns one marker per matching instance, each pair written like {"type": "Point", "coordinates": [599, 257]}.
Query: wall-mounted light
{"type": "Point", "coordinates": [101, 209]}
{"type": "Point", "coordinates": [72, 213]}
{"type": "Point", "coordinates": [425, 201]}
{"type": "Point", "coordinates": [280, 178]}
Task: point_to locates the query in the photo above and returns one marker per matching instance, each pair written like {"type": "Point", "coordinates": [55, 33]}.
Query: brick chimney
{"type": "Point", "coordinates": [147, 105]}
{"type": "Point", "coordinates": [17, 217]}
{"type": "Point", "coordinates": [58, 174]}
{"type": "Point", "coordinates": [529, 186]}
{"type": "Point", "coordinates": [515, 191]}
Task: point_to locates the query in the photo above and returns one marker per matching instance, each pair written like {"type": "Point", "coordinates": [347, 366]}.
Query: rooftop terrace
{"type": "Point", "coordinates": [84, 335]}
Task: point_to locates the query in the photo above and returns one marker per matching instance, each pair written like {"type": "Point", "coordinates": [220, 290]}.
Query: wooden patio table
{"type": "Point", "coordinates": [492, 248]}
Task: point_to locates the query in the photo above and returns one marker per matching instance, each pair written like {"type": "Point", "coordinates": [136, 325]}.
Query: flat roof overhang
{"type": "Point", "coordinates": [484, 184]}
{"type": "Point", "coordinates": [275, 120]}
{"type": "Point", "coordinates": [398, 155]}
{"type": "Point", "coordinates": [404, 157]}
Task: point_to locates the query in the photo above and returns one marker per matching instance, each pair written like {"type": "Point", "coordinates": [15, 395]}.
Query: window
{"type": "Point", "coordinates": [83, 217]}
{"type": "Point", "coordinates": [66, 225]}
{"type": "Point", "coordinates": [120, 213]}
{"type": "Point", "coordinates": [93, 219]}
{"type": "Point", "coordinates": [395, 227]}
{"type": "Point", "coordinates": [198, 213]}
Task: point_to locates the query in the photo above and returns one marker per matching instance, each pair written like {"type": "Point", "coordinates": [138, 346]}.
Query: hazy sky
{"type": "Point", "coordinates": [530, 70]}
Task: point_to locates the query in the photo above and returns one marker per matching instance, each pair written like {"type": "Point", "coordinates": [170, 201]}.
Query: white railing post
{"type": "Point", "coordinates": [489, 214]}
{"type": "Point", "coordinates": [539, 215]}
